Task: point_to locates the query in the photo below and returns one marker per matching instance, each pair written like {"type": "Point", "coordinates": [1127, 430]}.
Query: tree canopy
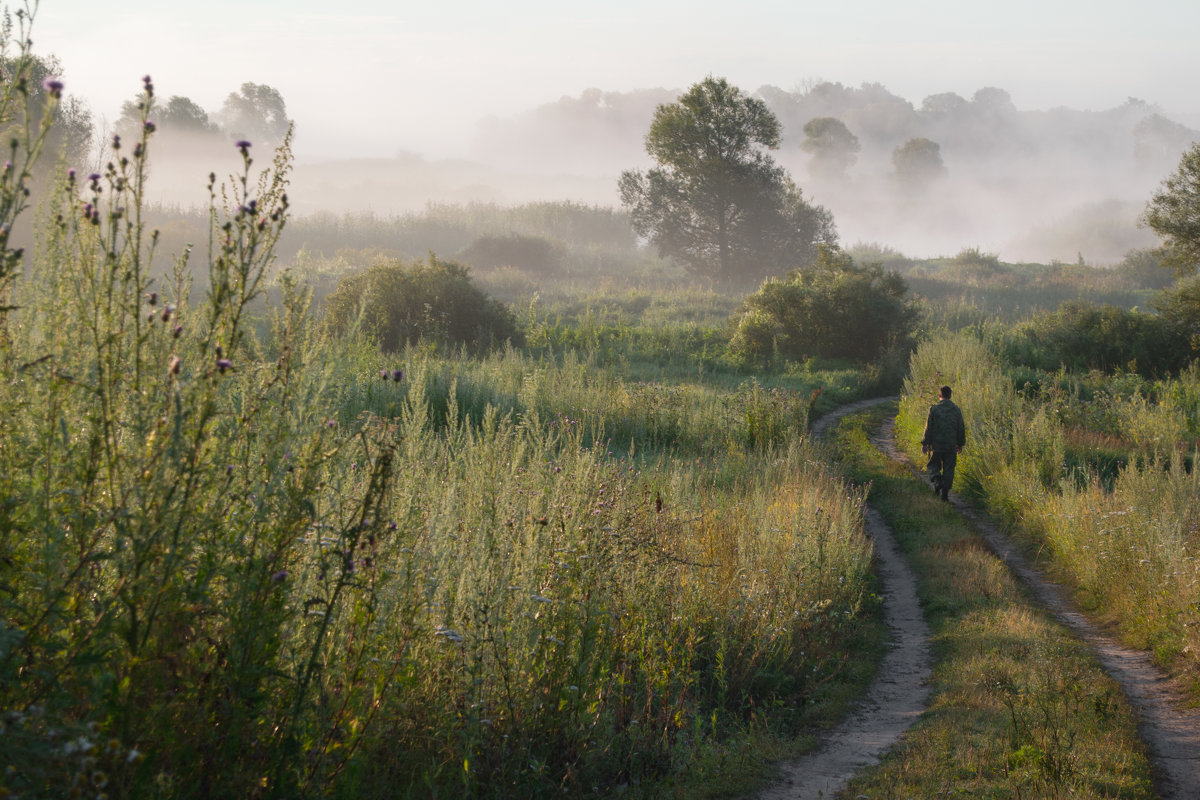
{"type": "Point", "coordinates": [833, 147]}
{"type": "Point", "coordinates": [256, 112]}
{"type": "Point", "coordinates": [918, 162]}
{"type": "Point", "coordinates": [1174, 214]}
{"type": "Point", "coordinates": [717, 201]}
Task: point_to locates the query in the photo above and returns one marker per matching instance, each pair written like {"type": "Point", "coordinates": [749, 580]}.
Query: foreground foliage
{"type": "Point", "coordinates": [240, 563]}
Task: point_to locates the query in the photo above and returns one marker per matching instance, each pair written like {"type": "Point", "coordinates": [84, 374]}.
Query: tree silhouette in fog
{"type": "Point", "coordinates": [717, 201]}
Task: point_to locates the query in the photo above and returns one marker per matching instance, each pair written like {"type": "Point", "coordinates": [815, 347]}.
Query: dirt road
{"type": "Point", "coordinates": [899, 693]}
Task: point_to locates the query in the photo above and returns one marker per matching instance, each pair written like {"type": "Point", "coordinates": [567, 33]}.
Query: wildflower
{"type": "Point", "coordinates": [149, 127]}
{"type": "Point", "coordinates": [383, 373]}
{"type": "Point", "coordinates": [174, 365]}
{"type": "Point", "coordinates": [53, 87]}
{"type": "Point", "coordinates": [280, 576]}
{"type": "Point", "coordinates": [398, 375]}
{"type": "Point", "coordinates": [224, 364]}
{"type": "Point", "coordinates": [243, 145]}
{"type": "Point", "coordinates": [152, 298]}
{"type": "Point", "coordinates": [178, 330]}
{"type": "Point", "coordinates": [168, 310]}
{"type": "Point", "coordinates": [116, 141]}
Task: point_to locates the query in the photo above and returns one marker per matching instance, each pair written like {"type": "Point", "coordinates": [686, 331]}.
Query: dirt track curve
{"type": "Point", "coordinates": [899, 692]}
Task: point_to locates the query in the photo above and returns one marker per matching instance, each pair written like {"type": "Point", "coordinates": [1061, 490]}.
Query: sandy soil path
{"type": "Point", "coordinates": [899, 693]}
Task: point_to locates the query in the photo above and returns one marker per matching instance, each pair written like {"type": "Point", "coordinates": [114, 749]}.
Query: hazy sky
{"type": "Point", "coordinates": [373, 77]}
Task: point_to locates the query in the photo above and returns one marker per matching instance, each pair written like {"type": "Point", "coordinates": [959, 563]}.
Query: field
{"type": "Point", "coordinates": [245, 552]}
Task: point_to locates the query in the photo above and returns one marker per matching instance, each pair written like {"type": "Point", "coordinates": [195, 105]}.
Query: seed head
{"type": "Point", "coordinates": [174, 365]}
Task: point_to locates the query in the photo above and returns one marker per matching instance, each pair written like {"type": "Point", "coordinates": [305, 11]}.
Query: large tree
{"type": "Point", "coordinates": [717, 201]}
{"type": "Point", "coordinates": [1174, 214]}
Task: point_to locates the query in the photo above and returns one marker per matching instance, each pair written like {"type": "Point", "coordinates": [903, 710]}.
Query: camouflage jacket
{"type": "Point", "coordinates": [944, 429]}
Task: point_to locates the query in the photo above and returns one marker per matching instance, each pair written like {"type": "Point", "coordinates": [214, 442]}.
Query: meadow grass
{"type": "Point", "coordinates": [1020, 709]}
{"type": "Point", "coordinates": [239, 559]}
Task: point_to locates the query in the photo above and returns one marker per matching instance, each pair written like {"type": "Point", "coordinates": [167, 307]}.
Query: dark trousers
{"type": "Point", "coordinates": [941, 468]}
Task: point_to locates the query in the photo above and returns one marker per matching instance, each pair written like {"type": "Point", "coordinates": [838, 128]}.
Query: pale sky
{"type": "Point", "coordinates": [372, 78]}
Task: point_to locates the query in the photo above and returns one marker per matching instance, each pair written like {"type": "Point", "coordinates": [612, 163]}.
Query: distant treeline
{"type": "Point", "coordinates": [605, 129]}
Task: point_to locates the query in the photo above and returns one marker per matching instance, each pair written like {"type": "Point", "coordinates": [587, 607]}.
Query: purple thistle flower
{"type": "Point", "coordinates": [224, 364]}
{"type": "Point", "coordinates": [243, 145]}
{"type": "Point", "coordinates": [53, 87]}
{"type": "Point", "coordinates": [383, 373]}
{"type": "Point", "coordinates": [398, 375]}
{"type": "Point", "coordinates": [178, 330]}
{"type": "Point", "coordinates": [152, 298]}
{"type": "Point", "coordinates": [279, 576]}
{"type": "Point", "coordinates": [94, 177]}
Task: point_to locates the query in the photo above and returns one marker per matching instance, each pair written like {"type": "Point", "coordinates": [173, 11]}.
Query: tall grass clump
{"type": "Point", "coordinates": [241, 560]}
{"type": "Point", "coordinates": [1119, 524]}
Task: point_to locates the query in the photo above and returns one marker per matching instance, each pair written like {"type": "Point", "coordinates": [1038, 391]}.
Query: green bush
{"type": "Point", "coordinates": [1081, 337]}
{"type": "Point", "coordinates": [433, 301]}
{"type": "Point", "coordinates": [832, 310]}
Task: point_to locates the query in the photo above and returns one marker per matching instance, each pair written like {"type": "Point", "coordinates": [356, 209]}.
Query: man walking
{"type": "Point", "coordinates": [944, 438]}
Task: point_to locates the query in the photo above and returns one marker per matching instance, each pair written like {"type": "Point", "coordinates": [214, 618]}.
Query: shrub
{"type": "Point", "coordinates": [530, 253]}
{"type": "Point", "coordinates": [831, 310]}
{"type": "Point", "coordinates": [1082, 337]}
{"type": "Point", "coordinates": [434, 300]}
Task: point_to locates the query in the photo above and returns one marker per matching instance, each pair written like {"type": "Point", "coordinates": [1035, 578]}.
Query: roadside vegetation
{"type": "Point", "coordinates": [1019, 707]}
{"type": "Point", "coordinates": [1093, 471]}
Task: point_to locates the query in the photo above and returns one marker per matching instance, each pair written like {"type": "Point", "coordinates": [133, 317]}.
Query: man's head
{"type": "Point", "coordinates": [945, 390]}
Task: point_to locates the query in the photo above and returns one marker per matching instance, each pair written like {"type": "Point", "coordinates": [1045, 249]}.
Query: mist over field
{"type": "Point", "coordinates": [1030, 185]}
